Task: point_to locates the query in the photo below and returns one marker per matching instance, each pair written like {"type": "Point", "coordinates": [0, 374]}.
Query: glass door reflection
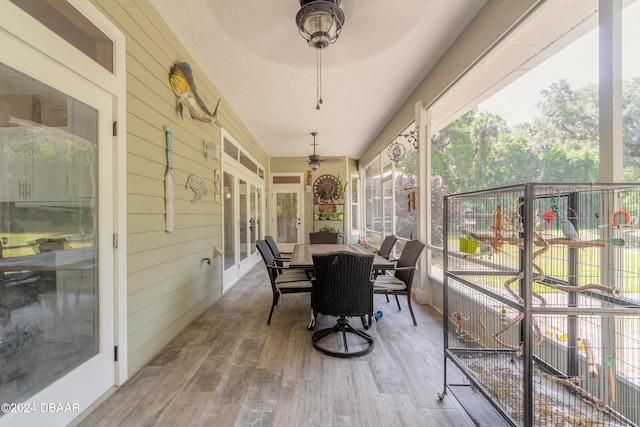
{"type": "Point", "coordinates": [244, 219]}
{"type": "Point", "coordinates": [49, 295]}
{"type": "Point", "coordinates": [229, 222]}
{"type": "Point", "coordinates": [287, 218]}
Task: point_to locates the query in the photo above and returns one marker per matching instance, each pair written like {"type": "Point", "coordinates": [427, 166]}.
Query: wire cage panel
{"type": "Point", "coordinates": [542, 300]}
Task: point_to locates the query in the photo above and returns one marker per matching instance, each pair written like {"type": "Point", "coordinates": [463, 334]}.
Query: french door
{"type": "Point", "coordinates": [242, 222]}
{"type": "Point", "coordinates": [287, 219]}
{"type": "Point", "coordinates": [56, 228]}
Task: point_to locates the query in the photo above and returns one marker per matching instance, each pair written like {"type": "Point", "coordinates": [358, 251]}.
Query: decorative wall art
{"type": "Point", "coordinates": [217, 185]}
{"type": "Point", "coordinates": [184, 87]}
{"type": "Point", "coordinates": [196, 183]}
{"type": "Point", "coordinates": [168, 184]}
{"type": "Point", "coordinates": [325, 187]}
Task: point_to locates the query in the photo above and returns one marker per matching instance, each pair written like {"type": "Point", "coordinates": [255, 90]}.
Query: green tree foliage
{"type": "Point", "coordinates": [479, 150]}
{"type": "Point", "coordinates": [631, 128]}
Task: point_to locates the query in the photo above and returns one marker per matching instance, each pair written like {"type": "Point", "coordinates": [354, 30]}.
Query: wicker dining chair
{"type": "Point", "coordinates": [387, 246]}
{"type": "Point", "coordinates": [280, 257]}
{"type": "Point", "coordinates": [283, 280]}
{"type": "Point", "coordinates": [385, 250]}
{"type": "Point", "coordinates": [342, 287]}
{"type": "Point", "coordinates": [400, 282]}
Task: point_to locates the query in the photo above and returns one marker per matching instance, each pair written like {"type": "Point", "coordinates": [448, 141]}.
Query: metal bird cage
{"type": "Point", "coordinates": [542, 301]}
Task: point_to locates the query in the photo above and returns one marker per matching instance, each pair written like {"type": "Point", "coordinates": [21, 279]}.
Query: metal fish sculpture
{"type": "Point", "coordinates": [184, 87]}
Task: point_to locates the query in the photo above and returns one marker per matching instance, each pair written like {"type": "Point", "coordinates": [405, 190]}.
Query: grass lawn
{"type": "Point", "coordinates": [554, 263]}
{"type": "Point", "coordinates": [19, 244]}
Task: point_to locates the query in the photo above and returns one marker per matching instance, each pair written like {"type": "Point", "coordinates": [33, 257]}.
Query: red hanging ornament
{"type": "Point", "coordinates": [549, 217]}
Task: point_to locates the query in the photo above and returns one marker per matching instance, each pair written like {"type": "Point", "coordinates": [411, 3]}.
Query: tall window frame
{"type": "Point", "coordinates": [391, 194]}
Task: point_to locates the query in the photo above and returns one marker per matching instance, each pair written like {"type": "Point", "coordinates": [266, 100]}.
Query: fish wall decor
{"type": "Point", "coordinates": [184, 87]}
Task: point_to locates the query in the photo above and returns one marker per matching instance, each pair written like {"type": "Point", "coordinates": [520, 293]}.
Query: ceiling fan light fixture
{"type": "Point", "coordinates": [314, 159]}
{"type": "Point", "coordinates": [320, 22]}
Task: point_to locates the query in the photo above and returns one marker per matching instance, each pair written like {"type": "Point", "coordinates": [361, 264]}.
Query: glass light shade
{"type": "Point", "coordinates": [320, 22]}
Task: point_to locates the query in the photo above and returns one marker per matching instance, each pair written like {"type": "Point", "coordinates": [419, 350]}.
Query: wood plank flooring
{"type": "Point", "coordinates": [229, 368]}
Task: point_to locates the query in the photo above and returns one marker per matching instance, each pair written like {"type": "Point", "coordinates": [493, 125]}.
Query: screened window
{"type": "Point", "coordinates": [355, 204]}
{"type": "Point", "coordinates": [391, 196]}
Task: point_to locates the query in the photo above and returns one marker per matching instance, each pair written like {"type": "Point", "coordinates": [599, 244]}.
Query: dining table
{"type": "Point", "coordinates": [302, 255]}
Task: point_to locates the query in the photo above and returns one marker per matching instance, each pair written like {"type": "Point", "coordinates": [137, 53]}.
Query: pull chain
{"type": "Point", "coordinates": [319, 78]}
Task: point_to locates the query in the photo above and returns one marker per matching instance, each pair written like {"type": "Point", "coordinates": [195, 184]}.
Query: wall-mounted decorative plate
{"type": "Point", "coordinates": [325, 187]}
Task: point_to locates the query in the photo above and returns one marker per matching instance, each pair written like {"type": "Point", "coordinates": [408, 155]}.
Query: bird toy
{"type": "Point", "coordinates": [549, 217]}
{"type": "Point", "coordinates": [611, 378]}
{"type": "Point", "coordinates": [555, 210]}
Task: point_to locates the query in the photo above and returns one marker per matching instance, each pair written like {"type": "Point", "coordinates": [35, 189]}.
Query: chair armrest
{"type": "Point", "coordinates": [284, 267]}
{"type": "Point", "coordinates": [409, 267]}
{"type": "Point", "coordinates": [279, 258]}
{"type": "Point", "coordinates": [275, 267]}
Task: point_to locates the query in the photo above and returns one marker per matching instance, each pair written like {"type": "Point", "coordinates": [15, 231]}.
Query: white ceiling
{"type": "Point", "coordinates": [252, 52]}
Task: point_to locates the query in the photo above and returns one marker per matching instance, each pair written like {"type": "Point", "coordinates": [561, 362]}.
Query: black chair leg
{"type": "Point", "coordinates": [366, 321]}
{"type": "Point", "coordinates": [276, 297]}
{"type": "Point", "coordinates": [411, 310]}
{"type": "Point", "coordinates": [271, 313]}
{"type": "Point", "coordinates": [398, 302]}
{"type": "Point", "coordinates": [312, 321]}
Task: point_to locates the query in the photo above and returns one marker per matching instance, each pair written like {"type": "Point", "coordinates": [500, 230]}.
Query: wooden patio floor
{"type": "Point", "coordinates": [229, 368]}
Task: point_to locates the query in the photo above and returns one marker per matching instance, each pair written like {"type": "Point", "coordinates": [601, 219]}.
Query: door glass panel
{"type": "Point", "coordinates": [64, 20]}
{"type": "Point", "coordinates": [248, 163]}
{"type": "Point", "coordinates": [230, 149]}
{"type": "Point", "coordinates": [229, 229]}
{"type": "Point", "coordinates": [48, 235]}
{"type": "Point", "coordinates": [253, 218]}
{"type": "Point", "coordinates": [243, 218]}
{"type": "Point", "coordinates": [287, 217]}
{"type": "Point", "coordinates": [286, 179]}
{"type": "Point", "coordinates": [258, 213]}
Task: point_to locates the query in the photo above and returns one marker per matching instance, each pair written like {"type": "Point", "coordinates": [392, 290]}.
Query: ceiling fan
{"type": "Point", "coordinates": [314, 159]}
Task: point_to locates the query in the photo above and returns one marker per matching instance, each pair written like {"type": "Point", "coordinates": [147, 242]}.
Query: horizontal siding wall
{"type": "Point", "coordinates": [168, 285]}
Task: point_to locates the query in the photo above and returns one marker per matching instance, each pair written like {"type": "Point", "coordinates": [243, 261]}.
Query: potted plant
{"type": "Point", "coordinates": [341, 188]}
{"type": "Point", "coordinates": [328, 229]}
